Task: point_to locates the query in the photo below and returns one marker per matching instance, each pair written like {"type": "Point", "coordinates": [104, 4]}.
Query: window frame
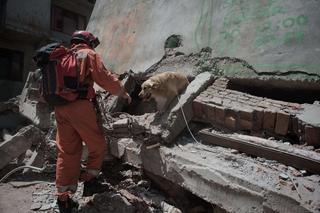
{"type": "Point", "coordinates": [76, 17]}
{"type": "Point", "coordinates": [10, 54]}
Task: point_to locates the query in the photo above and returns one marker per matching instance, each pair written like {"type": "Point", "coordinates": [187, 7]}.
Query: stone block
{"type": "Point", "coordinates": [132, 155]}
{"type": "Point", "coordinates": [118, 147]}
{"type": "Point", "coordinates": [122, 123]}
{"type": "Point", "coordinates": [282, 123]}
{"type": "Point", "coordinates": [312, 136]}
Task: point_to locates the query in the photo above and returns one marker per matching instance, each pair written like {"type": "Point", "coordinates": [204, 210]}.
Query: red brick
{"type": "Point", "coordinates": [246, 114]}
{"type": "Point", "coordinates": [230, 122]}
{"type": "Point", "coordinates": [258, 117]}
{"type": "Point", "coordinates": [312, 136]}
{"type": "Point", "coordinates": [282, 123]}
{"type": "Point", "coordinates": [269, 119]}
{"type": "Point", "coordinates": [245, 125]}
{"type": "Point", "coordinates": [210, 113]}
{"type": "Point", "coordinates": [219, 111]}
{"type": "Point", "coordinates": [198, 109]}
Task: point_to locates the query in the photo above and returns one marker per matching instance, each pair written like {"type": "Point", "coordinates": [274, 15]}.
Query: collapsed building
{"type": "Point", "coordinates": [242, 137]}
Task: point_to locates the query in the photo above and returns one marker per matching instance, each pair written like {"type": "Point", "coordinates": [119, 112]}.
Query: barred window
{"type": "Point", "coordinates": [66, 21]}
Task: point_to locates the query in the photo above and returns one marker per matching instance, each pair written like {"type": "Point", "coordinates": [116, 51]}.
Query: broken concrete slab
{"type": "Point", "coordinates": [240, 183]}
{"type": "Point", "coordinates": [176, 121]}
{"type": "Point", "coordinates": [38, 113]}
{"type": "Point", "coordinates": [132, 154]}
{"type": "Point", "coordinates": [118, 147]}
{"type": "Point", "coordinates": [310, 115]}
{"type": "Point", "coordinates": [19, 144]}
{"type": "Point", "coordinates": [126, 149]}
{"type": "Point", "coordinates": [287, 154]}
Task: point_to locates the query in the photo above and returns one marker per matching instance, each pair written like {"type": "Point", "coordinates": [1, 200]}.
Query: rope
{"type": "Point", "coordinates": [185, 120]}
{"type": "Point", "coordinates": [19, 168]}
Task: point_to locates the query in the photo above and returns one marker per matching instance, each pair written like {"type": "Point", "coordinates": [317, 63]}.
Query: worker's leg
{"type": "Point", "coordinates": [86, 125]}
{"type": "Point", "coordinates": [69, 147]}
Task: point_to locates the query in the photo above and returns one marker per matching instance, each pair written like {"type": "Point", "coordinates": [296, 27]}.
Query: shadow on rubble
{"type": "Point", "coordinates": [131, 189]}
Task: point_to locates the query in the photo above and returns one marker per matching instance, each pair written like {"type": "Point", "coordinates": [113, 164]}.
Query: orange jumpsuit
{"type": "Point", "coordinates": [77, 122]}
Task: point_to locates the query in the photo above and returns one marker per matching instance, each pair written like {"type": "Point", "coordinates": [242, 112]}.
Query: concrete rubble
{"type": "Point", "coordinates": [158, 166]}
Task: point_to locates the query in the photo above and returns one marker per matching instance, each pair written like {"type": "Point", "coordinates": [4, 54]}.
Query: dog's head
{"type": "Point", "coordinates": [146, 90]}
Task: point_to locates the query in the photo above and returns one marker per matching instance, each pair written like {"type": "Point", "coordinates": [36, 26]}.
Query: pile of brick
{"type": "Point", "coordinates": [235, 110]}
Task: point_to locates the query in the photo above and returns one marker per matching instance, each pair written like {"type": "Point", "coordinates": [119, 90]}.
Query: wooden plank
{"type": "Point", "coordinates": [306, 160]}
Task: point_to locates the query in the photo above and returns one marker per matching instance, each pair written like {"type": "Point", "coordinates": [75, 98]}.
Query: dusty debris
{"type": "Point", "coordinates": [283, 176]}
{"type": "Point", "coordinates": [167, 208]}
{"type": "Point", "coordinates": [185, 173]}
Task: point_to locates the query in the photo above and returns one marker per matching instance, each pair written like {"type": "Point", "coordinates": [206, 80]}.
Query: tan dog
{"type": "Point", "coordinates": [163, 87]}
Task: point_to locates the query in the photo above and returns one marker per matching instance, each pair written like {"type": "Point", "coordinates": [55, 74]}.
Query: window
{"type": "Point", "coordinates": [11, 65]}
{"type": "Point", "coordinates": [3, 5]}
{"type": "Point", "coordinates": [66, 21]}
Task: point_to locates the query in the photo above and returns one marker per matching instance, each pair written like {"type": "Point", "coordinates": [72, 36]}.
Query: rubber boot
{"type": "Point", "coordinates": [93, 186]}
{"type": "Point", "coordinates": [67, 206]}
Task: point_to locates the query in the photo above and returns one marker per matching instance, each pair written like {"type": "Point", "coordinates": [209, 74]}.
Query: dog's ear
{"type": "Point", "coordinates": [154, 85]}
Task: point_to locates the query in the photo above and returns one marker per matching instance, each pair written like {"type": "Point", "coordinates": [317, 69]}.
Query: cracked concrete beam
{"type": "Point", "coordinates": [175, 122]}
{"type": "Point", "coordinates": [289, 155]}
{"type": "Point", "coordinates": [233, 182]}
{"type": "Point", "coordinates": [19, 144]}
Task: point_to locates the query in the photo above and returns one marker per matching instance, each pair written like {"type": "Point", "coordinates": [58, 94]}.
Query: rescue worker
{"type": "Point", "coordinates": [77, 122]}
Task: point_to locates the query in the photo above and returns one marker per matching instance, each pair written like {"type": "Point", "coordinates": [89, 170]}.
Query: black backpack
{"type": "Point", "coordinates": [59, 75]}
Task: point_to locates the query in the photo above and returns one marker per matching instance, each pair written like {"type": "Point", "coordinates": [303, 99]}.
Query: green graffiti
{"type": "Point", "coordinates": [254, 23]}
{"type": "Point", "coordinates": [203, 30]}
{"type": "Point", "coordinates": [287, 31]}
{"type": "Point", "coordinates": [293, 37]}
{"type": "Point", "coordinates": [302, 20]}
{"type": "Point", "coordinates": [288, 22]}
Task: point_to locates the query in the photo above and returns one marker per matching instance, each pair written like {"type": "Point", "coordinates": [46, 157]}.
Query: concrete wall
{"type": "Point", "coordinates": [32, 16]}
{"type": "Point", "coordinates": [269, 34]}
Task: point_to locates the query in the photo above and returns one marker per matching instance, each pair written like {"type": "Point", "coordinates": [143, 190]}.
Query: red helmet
{"type": "Point", "coordinates": [85, 37]}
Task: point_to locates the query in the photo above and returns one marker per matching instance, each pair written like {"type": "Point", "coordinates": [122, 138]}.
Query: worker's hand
{"type": "Point", "coordinates": [127, 96]}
